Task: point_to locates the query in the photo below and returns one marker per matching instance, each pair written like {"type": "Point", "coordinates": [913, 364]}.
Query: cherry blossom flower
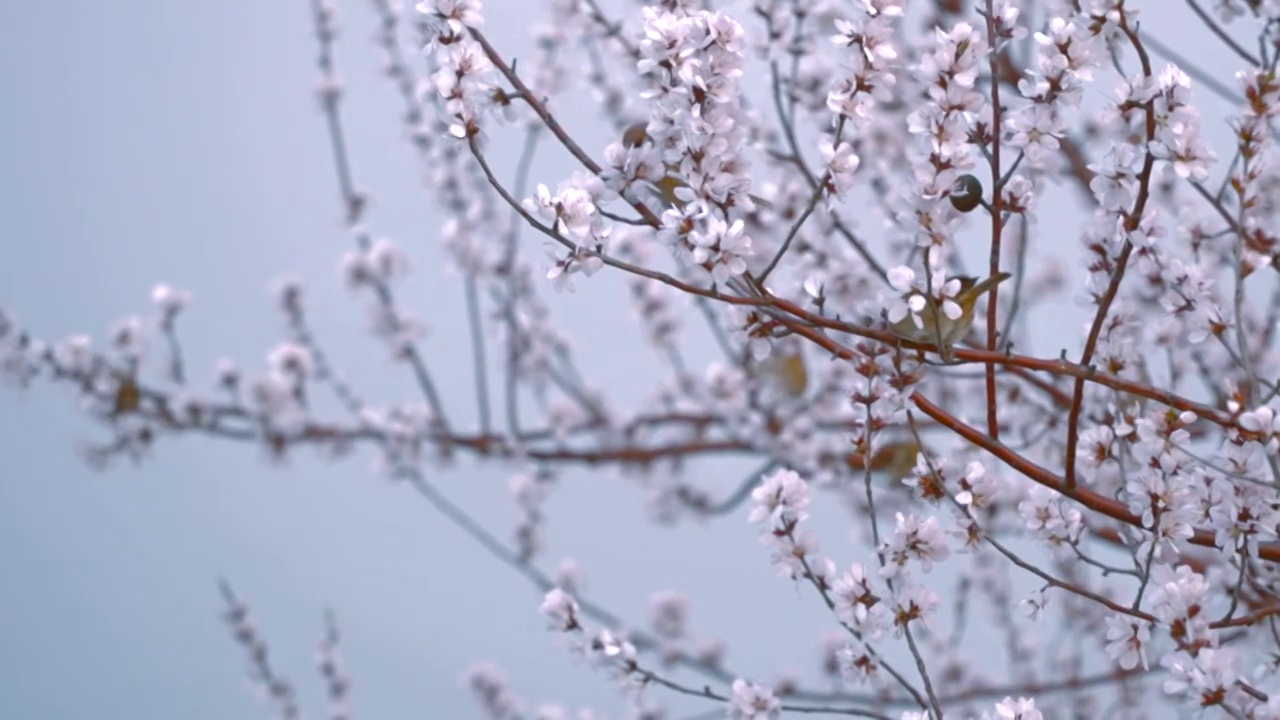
{"type": "Point", "coordinates": [753, 702]}
{"type": "Point", "coordinates": [782, 499]}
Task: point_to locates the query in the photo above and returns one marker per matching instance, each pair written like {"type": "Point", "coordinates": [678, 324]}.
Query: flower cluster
{"type": "Point", "coordinates": [1066, 55]}
{"type": "Point", "coordinates": [464, 80]}
{"type": "Point", "coordinates": [869, 68]}
{"type": "Point", "coordinates": [910, 300]}
{"type": "Point", "coordinates": [949, 70]}
{"type": "Point", "coordinates": [530, 490]}
{"type": "Point", "coordinates": [572, 212]}
{"type": "Point", "coordinates": [695, 135]}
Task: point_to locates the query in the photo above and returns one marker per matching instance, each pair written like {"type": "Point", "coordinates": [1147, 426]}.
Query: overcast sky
{"type": "Point", "coordinates": [149, 141]}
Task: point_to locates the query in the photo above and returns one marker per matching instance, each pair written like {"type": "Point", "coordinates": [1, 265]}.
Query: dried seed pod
{"type": "Point", "coordinates": [966, 193]}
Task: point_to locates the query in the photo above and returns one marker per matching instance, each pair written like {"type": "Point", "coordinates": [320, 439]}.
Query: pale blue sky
{"type": "Point", "coordinates": [150, 141]}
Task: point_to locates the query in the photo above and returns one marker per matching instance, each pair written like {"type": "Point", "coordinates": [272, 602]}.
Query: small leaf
{"type": "Point", "coordinates": [128, 396]}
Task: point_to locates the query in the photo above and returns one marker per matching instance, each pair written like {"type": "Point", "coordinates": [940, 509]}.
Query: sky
{"type": "Point", "coordinates": [149, 141]}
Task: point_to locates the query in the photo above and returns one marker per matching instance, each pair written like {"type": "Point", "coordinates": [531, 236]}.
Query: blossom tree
{"type": "Point", "coordinates": [803, 183]}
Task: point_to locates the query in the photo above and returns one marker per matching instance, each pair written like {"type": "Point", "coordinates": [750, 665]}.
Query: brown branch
{"type": "Point", "coordinates": [1101, 504]}
{"type": "Point", "coordinates": [997, 218]}
{"type": "Point", "coordinates": [809, 326]}
{"type": "Point", "coordinates": [540, 109]}
{"type": "Point", "coordinates": [1132, 221]}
